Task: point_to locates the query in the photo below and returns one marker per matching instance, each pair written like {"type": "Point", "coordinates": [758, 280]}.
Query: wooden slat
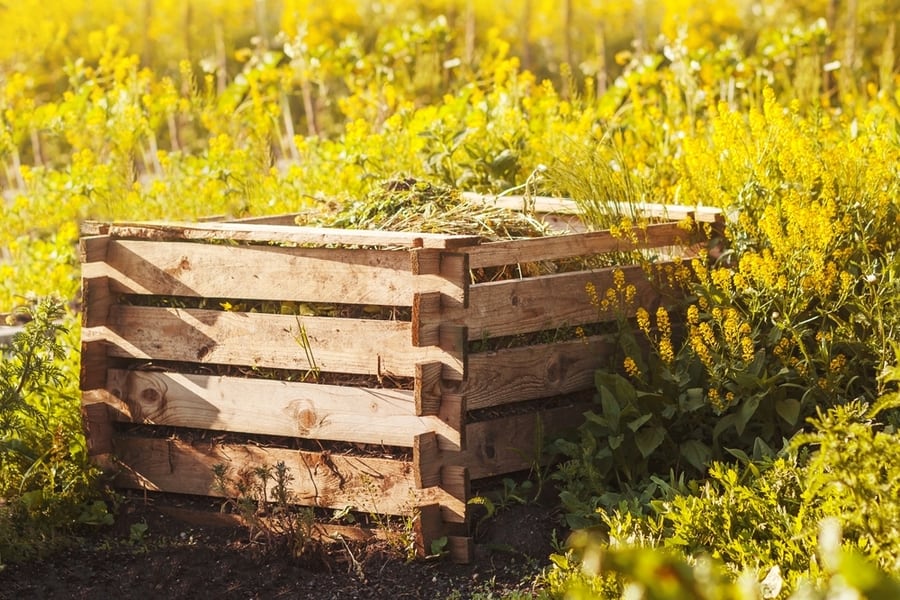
{"type": "Point", "coordinates": [284, 234]}
{"type": "Point", "coordinates": [283, 219]}
{"type": "Point", "coordinates": [370, 485]}
{"type": "Point", "coordinates": [93, 248]}
{"type": "Point", "coordinates": [381, 348]}
{"type": "Point", "coordinates": [429, 526]}
{"type": "Point", "coordinates": [510, 444]}
{"type": "Point", "coordinates": [96, 301]}
{"type": "Point", "coordinates": [545, 204]}
{"type": "Point", "coordinates": [461, 549]}
{"type": "Point", "coordinates": [427, 460]}
{"type": "Point", "coordinates": [543, 303]}
{"type": "Point", "coordinates": [577, 244]}
{"type": "Point", "coordinates": [532, 372]}
{"type": "Point", "coordinates": [379, 277]}
{"type": "Point", "coordinates": [97, 422]}
{"type": "Point", "coordinates": [277, 408]}
{"type": "Point", "coordinates": [93, 364]}
{"type": "Point", "coordinates": [427, 391]}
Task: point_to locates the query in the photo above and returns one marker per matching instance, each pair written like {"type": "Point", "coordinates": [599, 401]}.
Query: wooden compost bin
{"type": "Point", "coordinates": [169, 390]}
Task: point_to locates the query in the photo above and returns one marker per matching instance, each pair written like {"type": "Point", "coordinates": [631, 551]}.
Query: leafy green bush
{"type": "Point", "coordinates": [765, 514]}
{"type": "Point", "coordinates": [47, 485]}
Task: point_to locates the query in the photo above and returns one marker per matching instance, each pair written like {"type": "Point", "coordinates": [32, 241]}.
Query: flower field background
{"type": "Point", "coordinates": [785, 114]}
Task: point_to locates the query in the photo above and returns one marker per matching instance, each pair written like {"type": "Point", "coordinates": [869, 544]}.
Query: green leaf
{"type": "Point", "coordinates": [696, 453]}
{"type": "Point", "coordinates": [788, 409]}
{"type": "Point", "coordinates": [438, 545]}
{"type": "Point", "coordinates": [739, 454]}
{"type": "Point", "coordinates": [616, 440]}
{"type": "Point", "coordinates": [636, 424]}
{"type": "Point", "coordinates": [610, 407]}
{"type": "Point", "coordinates": [692, 399]}
{"type": "Point", "coordinates": [762, 450]}
{"type": "Point", "coordinates": [745, 413]}
{"type": "Point", "coordinates": [649, 439]}
{"type": "Point", "coordinates": [593, 417]}
{"type": "Point", "coordinates": [724, 423]}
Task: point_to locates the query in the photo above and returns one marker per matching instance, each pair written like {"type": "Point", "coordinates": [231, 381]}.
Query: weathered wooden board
{"type": "Point", "coordinates": [563, 206]}
{"type": "Point", "coordinates": [269, 407]}
{"type": "Point", "coordinates": [514, 443]}
{"type": "Point", "coordinates": [339, 275]}
{"type": "Point", "coordinates": [360, 346]}
{"type": "Point", "coordinates": [284, 234]}
{"type": "Point", "coordinates": [508, 252]}
{"type": "Point", "coordinates": [531, 372]}
{"type": "Point", "coordinates": [543, 303]}
{"type": "Point", "coordinates": [368, 484]}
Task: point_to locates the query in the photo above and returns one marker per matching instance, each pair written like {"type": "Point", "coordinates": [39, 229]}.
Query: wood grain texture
{"type": "Point", "coordinates": [510, 252]}
{"type": "Point", "coordinates": [368, 484]}
{"type": "Point", "coordinates": [359, 346]}
{"type": "Point", "coordinates": [284, 234]}
{"type": "Point", "coordinates": [532, 372]}
{"type": "Point", "coordinates": [549, 205]}
{"type": "Point", "coordinates": [276, 408]}
{"type": "Point", "coordinates": [359, 276]}
{"type": "Point", "coordinates": [510, 444]}
{"type": "Point", "coordinates": [543, 303]}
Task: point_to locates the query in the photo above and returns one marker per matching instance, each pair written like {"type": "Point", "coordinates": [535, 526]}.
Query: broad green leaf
{"type": "Point", "coordinates": [761, 449]}
{"type": "Point", "coordinates": [649, 439]}
{"type": "Point", "coordinates": [696, 453]}
{"type": "Point", "coordinates": [739, 454]}
{"type": "Point", "coordinates": [593, 417]}
{"type": "Point", "coordinates": [788, 409]}
{"type": "Point", "coordinates": [692, 399]}
{"type": "Point", "coordinates": [616, 440]}
{"type": "Point", "coordinates": [724, 423]}
{"type": "Point", "coordinates": [745, 413]}
{"type": "Point", "coordinates": [610, 407]}
{"type": "Point", "coordinates": [621, 388]}
{"type": "Point", "coordinates": [637, 423]}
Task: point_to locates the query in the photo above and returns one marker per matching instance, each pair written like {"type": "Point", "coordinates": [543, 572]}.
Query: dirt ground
{"type": "Point", "coordinates": [178, 547]}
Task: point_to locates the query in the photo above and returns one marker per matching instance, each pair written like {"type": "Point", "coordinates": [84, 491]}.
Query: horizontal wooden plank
{"type": "Point", "coordinates": [284, 234]}
{"type": "Point", "coordinates": [546, 204]}
{"type": "Point", "coordinates": [357, 276]}
{"type": "Point", "coordinates": [93, 248]}
{"type": "Point", "coordinates": [509, 252]}
{"type": "Point", "coordinates": [267, 407]}
{"type": "Point", "coordinates": [509, 444]}
{"type": "Point", "coordinates": [543, 303]}
{"type": "Point", "coordinates": [361, 346]}
{"type": "Point", "coordinates": [368, 484]}
{"type": "Point", "coordinates": [282, 219]}
{"type": "Point", "coordinates": [532, 372]}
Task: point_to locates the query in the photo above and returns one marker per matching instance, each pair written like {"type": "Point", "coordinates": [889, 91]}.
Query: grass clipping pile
{"type": "Point", "coordinates": [410, 205]}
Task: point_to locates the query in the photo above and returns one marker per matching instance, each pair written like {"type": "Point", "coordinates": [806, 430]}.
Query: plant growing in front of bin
{"type": "Point", "coordinates": [262, 498]}
{"type": "Point", "coordinates": [47, 485]}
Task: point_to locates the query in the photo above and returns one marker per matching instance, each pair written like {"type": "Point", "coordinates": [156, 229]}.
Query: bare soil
{"type": "Point", "coordinates": [189, 550]}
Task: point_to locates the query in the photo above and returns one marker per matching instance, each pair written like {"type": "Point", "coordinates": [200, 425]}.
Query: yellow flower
{"type": "Point", "coordinates": [666, 353]}
{"type": "Point", "coordinates": [662, 321]}
{"type": "Point", "coordinates": [643, 320]}
{"type": "Point", "coordinates": [591, 290]}
{"type": "Point", "coordinates": [631, 367]}
{"type": "Point", "coordinates": [837, 363]}
{"type": "Point", "coordinates": [747, 349]}
{"type": "Point", "coordinates": [693, 314]}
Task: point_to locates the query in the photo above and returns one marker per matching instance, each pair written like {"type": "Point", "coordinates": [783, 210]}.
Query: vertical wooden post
{"type": "Point", "coordinates": [96, 300]}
